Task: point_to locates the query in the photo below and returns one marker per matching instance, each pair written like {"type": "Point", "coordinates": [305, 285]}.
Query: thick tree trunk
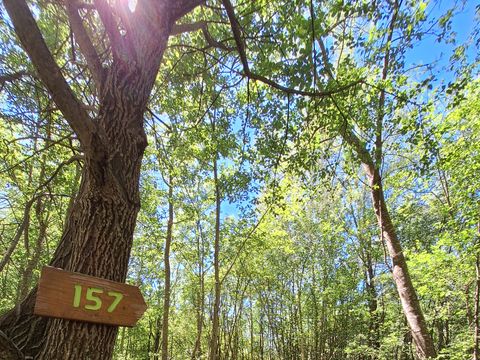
{"type": "Point", "coordinates": [166, 259]}
{"type": "Point", "coordinates": [408, 297]}
{"type": "Point", "coordinates": [99, 232]}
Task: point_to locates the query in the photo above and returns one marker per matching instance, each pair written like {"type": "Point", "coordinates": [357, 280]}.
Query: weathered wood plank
{"type": "Point", "coordinates": [74, 296]}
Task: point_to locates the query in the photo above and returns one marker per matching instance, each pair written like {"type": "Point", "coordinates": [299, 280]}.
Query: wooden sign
{"type": "Point", "coordinates": [74, 296]}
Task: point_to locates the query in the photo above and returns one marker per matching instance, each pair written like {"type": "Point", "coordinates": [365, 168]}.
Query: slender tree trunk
{"type": "Point", "coordinates": [122, 341]}
{"type": "Point", "coordinates": [408, 297]}
{"type": "Point", "coordinates": [374, 336]}
{"type": "Point", "coordinates": [156, 339]}
{"type": "Point", "coordinates": [37, 250]}
{"type": "Point", "coordinates": [200, 303]}
{"type": "Point", "coordinates": [214, 346]}
{"type": "Point", "coordinates": [166, 260]}
{"type": "Point", "coordinates": [476, 354]}
{"type": "Point", "coordinates": [252, 335]}
{"type": "Point", "coordinates": [476, 320]}
{"type": "Point", "coordinates": [316, 330]}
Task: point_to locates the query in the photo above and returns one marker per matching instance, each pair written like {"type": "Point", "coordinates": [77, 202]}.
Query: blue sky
{"type": "Point", "coordinates": [430, 50]}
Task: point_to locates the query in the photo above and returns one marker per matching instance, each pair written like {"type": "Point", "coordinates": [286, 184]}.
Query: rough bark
{"type": "Point", "coordinates": [98, 236]}
{"type": "Point", "coordinates": [8, 350]}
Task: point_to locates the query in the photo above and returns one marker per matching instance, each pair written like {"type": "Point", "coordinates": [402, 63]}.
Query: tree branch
{"type": "Point", "coordinates": [235, 26]}
{"type": "Point", "coordinates": [200, 25]}
{"type": "Point", "coordinates": [111, 27]}
{"type": "Point", "coordinates": [381, 100]}
{"type": "Point", "coordinates": [48, 70]}
{"type": "Point", "coordinates": [11, 77]}
{"type": "Point", "coordinates": [178, 29]}
{"type": "Point", "coordinates": [85, 44]}
{"type": "Point", "coordinates": [182, 7]}
{"type": "Point", "coordinates": [212, 42]}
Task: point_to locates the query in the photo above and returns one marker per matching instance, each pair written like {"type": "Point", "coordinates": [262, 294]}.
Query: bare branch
{"type": "Point", "coordinates": [200, 25]}
{"type": "Point", "coordinates": [214, 43]}
{"type": "Point", "coordinates": [11, 77]}
{"type": "Point", "coordinates": [48, 70]}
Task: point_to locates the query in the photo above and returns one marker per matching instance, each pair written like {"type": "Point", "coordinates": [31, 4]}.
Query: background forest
{"type": "Point", "coordinates": [273, 129]}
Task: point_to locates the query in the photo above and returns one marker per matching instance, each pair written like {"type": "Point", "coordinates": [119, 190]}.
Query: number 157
{"type": "Point", "coordinates": [96, 302]}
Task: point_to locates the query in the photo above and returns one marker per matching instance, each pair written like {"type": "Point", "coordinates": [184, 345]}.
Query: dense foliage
{"type": "Point", "coordinates": [303, 266]}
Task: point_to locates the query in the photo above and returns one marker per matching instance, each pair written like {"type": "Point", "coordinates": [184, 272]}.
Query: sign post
{"type": "Point", "coordinates": [74, 296]}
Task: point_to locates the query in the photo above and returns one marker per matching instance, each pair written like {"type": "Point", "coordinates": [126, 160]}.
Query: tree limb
{"type": "Point", "coordinates": [178, 29]}
{"type": "Point", "coordinates": [48, 70]}
{"type": "Point", "coordinates": [181, 7]}
{"type": "Point", "coordinates": [381, 101]}
{"type": "Point", "coordinates": [86, 47]}
{"type": "Point", "coordinates": [11, 77]}
{"type": "Point", "coordinates": [235, 26]}
{"type": "Point", "coordinates": [212, 42]}
{"type": "Point", "coordinates": [106, 15]}
{"type": "Point", "coordinates": [18, 234]}
{"type": "Point", "coordinates": [200, 25]}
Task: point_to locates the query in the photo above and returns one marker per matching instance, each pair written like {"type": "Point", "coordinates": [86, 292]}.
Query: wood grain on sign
{"type": "Point", "coordinates": [74, 296]}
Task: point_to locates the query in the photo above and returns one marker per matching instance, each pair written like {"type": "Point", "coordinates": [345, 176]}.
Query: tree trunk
{"type": "Point", "coordinates": [374, 325]}
{"type": "Point", "coordinates": [99, 232]}
{"type": "Point", "coordinates": [200, 302]}
{"type": "Point", "coordinates": [476, 335]}
{"type": "Point", "coordinates": [408, 297]}
{"type": "Point", "coordinates": [156, 340]}
{"type": "Point", "coordinates": [166, 259]}
{"type": "Point", "coordinates": [214, 353]}
{"type": "Point", "coordinates": [476, 321]}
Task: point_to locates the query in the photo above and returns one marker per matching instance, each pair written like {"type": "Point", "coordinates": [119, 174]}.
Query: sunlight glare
{"type": "Point", "coordinates": [132, 4]}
